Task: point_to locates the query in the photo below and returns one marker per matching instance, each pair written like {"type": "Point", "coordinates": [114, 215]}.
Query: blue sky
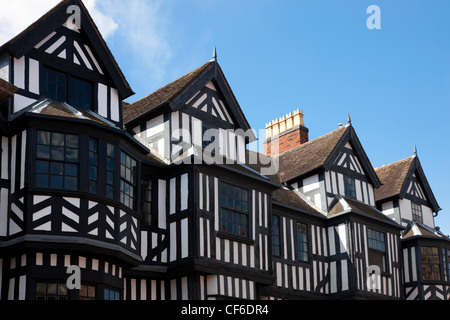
{"type": "Point", "coordinates": [314, 55]}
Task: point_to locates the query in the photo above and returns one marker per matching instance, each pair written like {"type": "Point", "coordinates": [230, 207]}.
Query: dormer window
{"type": "Point", "coordinates": [66, 88]}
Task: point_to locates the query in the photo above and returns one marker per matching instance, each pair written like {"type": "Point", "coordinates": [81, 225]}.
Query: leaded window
{"type": "Point", "coordinates": [87, 292]}
{"type": "Point", "coordinates": [57, 161]}
{"type": "Point", "coordinates": [350, 188]}
{"type": "Point", "coordinates": [110, 169]}
{"type": "Point", "coordinates": [276, 245]}
{"type": "Point", "coordinates": [416, 212]}
{"type": "Point", "coordinates": [110, 294]}
{"type": "Point", "coordinates": [377, 249]}
{"type": "Point", "coordinates": [146, 208]}
{"type": "Point", "coordinates": [62, 87]}
{"type": "Point", "coordinates": [93, 165]}
{"type": "Point", "coordinates": [51, 291]}
{"type": "Point", "coordinates": [302, 242]}
{"type": "Point", "coordinates": [128, 180]}
{"type": "Point", "coordinates": [234, 210]}
{"type": "Point", "coordinates": [430, 263]}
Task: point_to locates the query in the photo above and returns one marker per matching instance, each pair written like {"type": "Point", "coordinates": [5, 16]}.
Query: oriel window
{"type": "Point", "coordinates": [377, 249]}
{"type": "Point", "coordinates": [93, 165]}
{"type": "Point", "coordinates": [416, 212]}
{"type": "Point", "coordinates": [127, 180]}
{"type": "Point", "coordinates": [146, 208]}
{"type": "Point", "coordinates": [57, 161]}
{"type": "Point", "coordinates": [234, 210]}
{"type": "Point", "coordinates": [430, 263]}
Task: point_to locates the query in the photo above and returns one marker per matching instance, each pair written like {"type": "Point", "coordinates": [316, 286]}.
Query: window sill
{"type": "Point", "coordinates": [233, 237]}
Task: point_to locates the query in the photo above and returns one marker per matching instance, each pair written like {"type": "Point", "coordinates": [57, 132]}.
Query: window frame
{"type": "Point", "coordinates": [234, 212]}
{"type": "Point", "coordinates": [384, 267]}
{"type": "Point", "coordinates": [350, 187]}
{"type": "Point", "coordinates": [432, 263]}
{"type": "Point", "coordinates": [51, 162]}
{"type": "Point", "coordinates": [131, 183]}
{"type": "Point", "coordinates": [70, 82]}
{"type": "Point", "coordinates": [304, 240]}
{"type": "Point", "coordinates": [276, 235]}
{"type": "Point", "coordinates": [47, 295]}
{"type": "Point", "coordinates": [416, 212]}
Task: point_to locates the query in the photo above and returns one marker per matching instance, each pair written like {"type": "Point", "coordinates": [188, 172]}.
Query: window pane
{"type": "Point", "coordinates": [72, 155]}
{"type": "Point", "coordinates": [42, 181]}
{"type": "Point", "coordinates": [43, 137]}
{"type": "Point", "coordinates": [71, 183]}
{"type": "Point", "coordinates": [56, 182]}
{"type": "Point", "coordinates": [57, 153]}
{"type": "Point", "coordinates": [43, 152]}
{"type": "Point", "coordinates": [42, 167]}
{"type": "Point", "coordinates": [58, 140]}
{"type": "Point", "coordinates": [71, 141]}
{"type": "Point", "coordinates": [56, 168]}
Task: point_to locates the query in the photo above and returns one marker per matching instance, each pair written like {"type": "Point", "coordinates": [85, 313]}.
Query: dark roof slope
{"type": "Point", "coordinates": [392, 177]}
{"type": "Point", "coordinates": [163, 95]}
{"type": "Point", "coordinates": [309, 156]}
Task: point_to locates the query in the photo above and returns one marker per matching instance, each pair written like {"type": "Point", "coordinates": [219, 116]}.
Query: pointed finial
{"type": "Point", "coordinates": [415, 150]}
{"type": "Point", "coordinates": [214, 54]}
{"type": "Point", "coordinates": [349, 120]}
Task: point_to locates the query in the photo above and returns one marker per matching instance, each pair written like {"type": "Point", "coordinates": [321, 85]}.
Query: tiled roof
{"type": "Point", "coordinates": [392, 177]}
{"type": "Point", "coordinates": [162, 95]}
{"type": "Point", "coordinates": [344, 204]}
{"type": "Point", "coordinates": [415, 229]}
{"type": "Point", "coordinates": [62, 109]}
{"type": "Point", "coordinates": [309, 156]}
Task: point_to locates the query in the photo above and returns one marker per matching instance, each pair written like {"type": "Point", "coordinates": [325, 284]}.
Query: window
{"type": "Point", "coordinates": [56, 161]}
{"type": "Point", "coordinates": [87, 292]}
{"type": "Point", "coordinates": [430, 263]}
{"type": "Point", "coordinates": [128, 180]}
{"type": "Point", "coordinates": [377, 249]}
{"type": "Point", "coordinates": [234, 210]}
{"type": "Point", "coordinates": [446, 260]}
{"type": "Point", "coordinates": [416, 212]}
{"type": "Point", "coordinates": [110, 168]}
{"type": "Point", "coordinates": [276, 245]}
{"type": "Point", "coordinates": [302, 242]}
{"type": "Point", "coordinates": [93, 162]}
{"type": "Point", "coordinates": [54, 84]}
{"type": "Point", "coordinates": [146, 187]}
{"type": "Point", "coordinates": [65, 88]}
{"type": "Point", "coordinates": [110, 294]}
{"type": "Point", "coordinates": [51, 291]}
{"type": "Point", "coordinates": [80, 94]}
{"type": "Point", "coordinates": [350, 189]}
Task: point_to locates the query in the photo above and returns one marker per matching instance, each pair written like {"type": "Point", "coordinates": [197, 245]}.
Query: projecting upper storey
{"type": "Point", "coordinates": [63, 57]}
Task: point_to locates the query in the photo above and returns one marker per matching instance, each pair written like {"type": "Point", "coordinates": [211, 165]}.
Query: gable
{"type": "Point", "coordinates": [416, 186]}
{"type": "Point", "coordinates": [349, 157]}
{"type": "Point", "coordinates": [53, 36]}
{"type": "Point", "coordinates": [208, 104]}
{"type": "Point", "coordinates": [71, 45]}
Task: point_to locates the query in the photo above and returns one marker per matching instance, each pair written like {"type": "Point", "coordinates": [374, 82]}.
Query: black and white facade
{"type": "Point", "coordinates": [161, 200]}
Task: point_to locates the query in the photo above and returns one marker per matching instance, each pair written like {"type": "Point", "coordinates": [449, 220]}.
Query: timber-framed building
{"type": "Point", "coordinates": [161, 200]}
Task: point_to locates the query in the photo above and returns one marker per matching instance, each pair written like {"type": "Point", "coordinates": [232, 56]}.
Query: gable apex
{"type": "Point", "coordinates": [58, 16]}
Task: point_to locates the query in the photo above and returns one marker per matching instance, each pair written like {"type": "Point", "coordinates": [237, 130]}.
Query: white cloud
{"type": "Point", "coordinates": [143, 31]}
{"type": "Point", "coordinates": [17, 15]}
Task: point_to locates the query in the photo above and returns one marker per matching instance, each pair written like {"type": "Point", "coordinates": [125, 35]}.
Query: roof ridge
{"type": "Point", "coordinates": [396, 162]}
{"type": "Point", "coordinates": [168, 84]}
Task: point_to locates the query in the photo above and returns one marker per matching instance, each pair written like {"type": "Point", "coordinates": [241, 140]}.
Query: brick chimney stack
{"type": "Point", "coordinates": [285, 133]}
